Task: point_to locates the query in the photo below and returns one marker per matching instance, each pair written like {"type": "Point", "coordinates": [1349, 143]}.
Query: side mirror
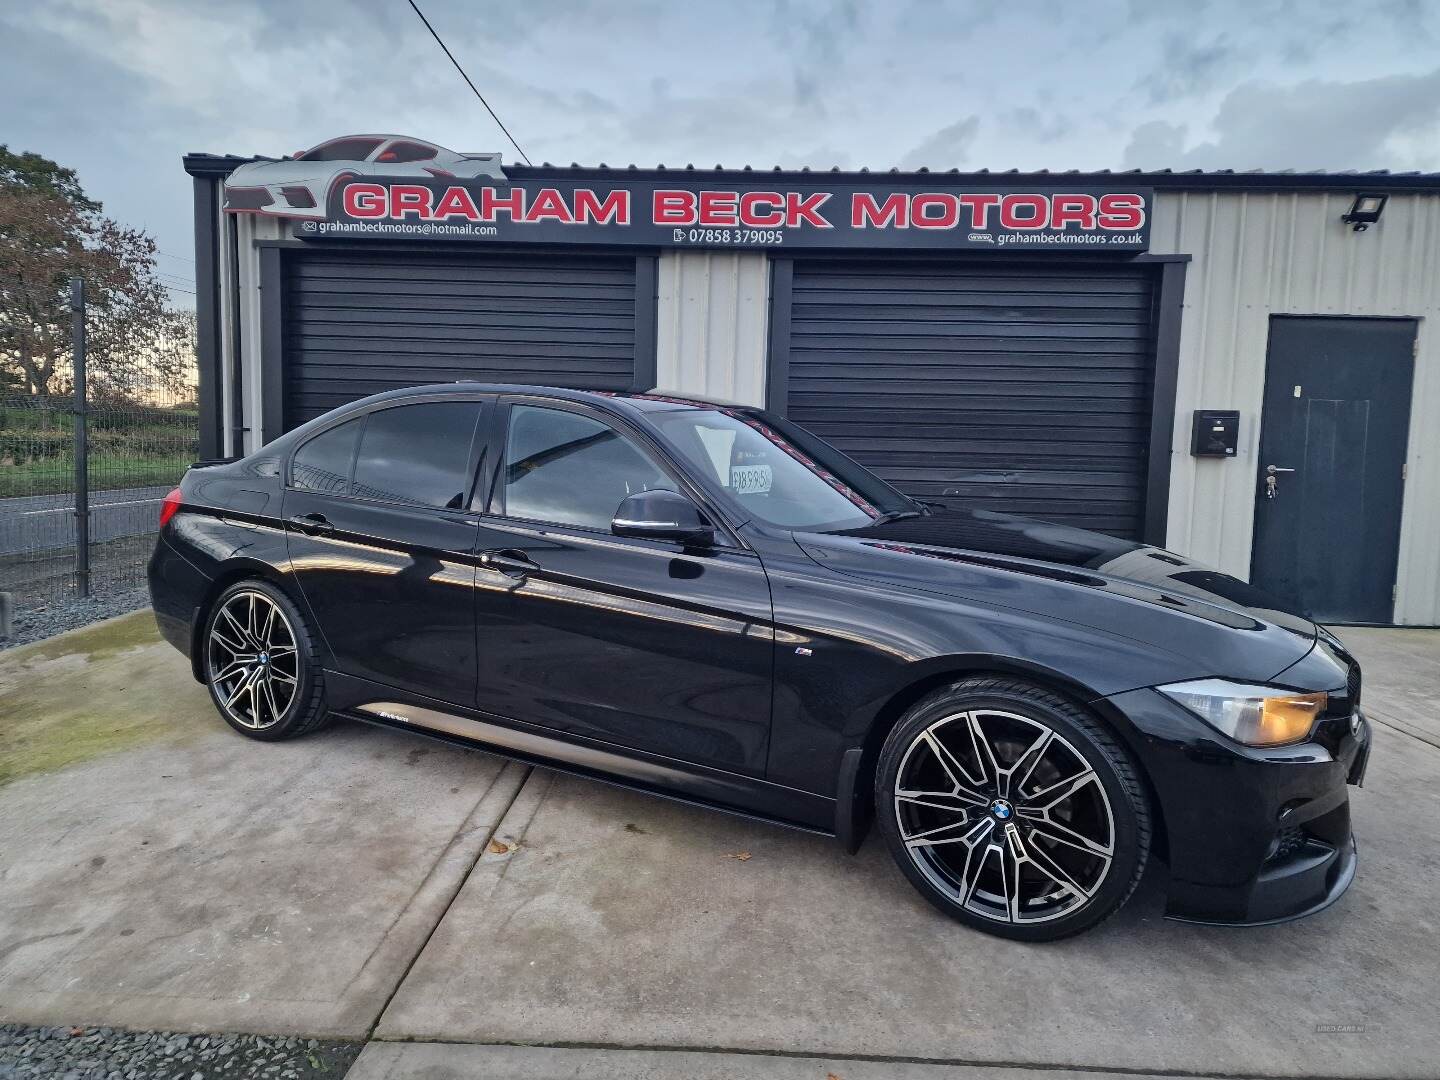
{"type": "Point", "coordinates": [662, 515]}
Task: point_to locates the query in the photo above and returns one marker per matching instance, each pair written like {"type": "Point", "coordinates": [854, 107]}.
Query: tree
{"type": "Point", "coordinates": [50, 231]}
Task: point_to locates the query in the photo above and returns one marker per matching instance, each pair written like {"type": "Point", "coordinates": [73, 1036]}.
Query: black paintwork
{"type": "Point", "coordinates": [760, 673]}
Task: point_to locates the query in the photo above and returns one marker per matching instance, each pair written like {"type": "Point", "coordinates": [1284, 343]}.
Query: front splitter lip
{"type": "Point", "coordinates": [1343, 880]}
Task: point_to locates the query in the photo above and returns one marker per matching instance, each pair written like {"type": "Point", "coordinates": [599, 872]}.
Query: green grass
{"type": "Point", "coordinates": [56, 475]}
{"type": "Point", "coordinates": [66, 701]}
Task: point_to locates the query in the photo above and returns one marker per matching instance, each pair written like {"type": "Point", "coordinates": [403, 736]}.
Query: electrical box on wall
{"type": "Point", "coordinates": [1215, 433]}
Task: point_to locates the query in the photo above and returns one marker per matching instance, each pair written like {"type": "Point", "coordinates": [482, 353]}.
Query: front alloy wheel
{"type": "Point", "coordinates": [1012, 809]}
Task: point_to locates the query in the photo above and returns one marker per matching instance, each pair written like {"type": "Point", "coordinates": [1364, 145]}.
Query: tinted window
{"type": "Point", "coordinates": [341, 150]}
{"type": "Point", "coordinates": [567, 468]}
{"type": "Point", "coordinates": [407, 151]}
{"type": "Point", "coordinates": [323, 463]}
{"type": "Point", "coordinates": [418, 454]}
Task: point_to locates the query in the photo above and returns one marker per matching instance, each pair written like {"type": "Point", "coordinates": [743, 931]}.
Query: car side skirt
{"type": "Point", "coordinates": [713, 789]}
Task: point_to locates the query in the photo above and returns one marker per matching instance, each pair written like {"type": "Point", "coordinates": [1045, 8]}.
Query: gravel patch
{"type": "Point", "coordinates": [48, 619]}
{"type": "Point", "coordinates": [63, 1053]}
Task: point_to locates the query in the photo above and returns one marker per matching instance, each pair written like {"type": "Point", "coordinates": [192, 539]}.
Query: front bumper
{"type": "Point", "coordinates": [1252, 836]}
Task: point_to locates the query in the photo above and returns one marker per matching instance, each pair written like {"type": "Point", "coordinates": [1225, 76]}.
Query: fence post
{"type": "Point", "coordinates": [82, 443]}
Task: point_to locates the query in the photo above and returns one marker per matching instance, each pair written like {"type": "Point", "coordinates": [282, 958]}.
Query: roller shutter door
{"type": "Point", "coordinates": [359, 323]}
{"type": "Point", "coordinates": [1011, 389]}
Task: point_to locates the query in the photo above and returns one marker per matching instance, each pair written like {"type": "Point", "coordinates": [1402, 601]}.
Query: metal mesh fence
{"type": "Point", "coordinates": [142, 430]}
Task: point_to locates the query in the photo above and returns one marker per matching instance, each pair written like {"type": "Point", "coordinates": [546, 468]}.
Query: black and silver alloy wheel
{"type": "Point", "coordinates": [261, 663]}
{"type": "Point", "coordinates": [1012, 809]}
{"type": "Point", "coordinates": [1004, 813]}
{"type": "Point", "coordinates": [252, 660]}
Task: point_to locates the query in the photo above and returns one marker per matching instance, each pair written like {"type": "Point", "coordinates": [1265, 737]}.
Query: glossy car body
{"type": "Point", "coordinates": [299, 186]}
{"type": "Point", "coordinates": [761, 673]}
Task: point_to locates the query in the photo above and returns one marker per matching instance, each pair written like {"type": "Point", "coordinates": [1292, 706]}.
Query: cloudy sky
{"type": "Point", "coordinates": [119, 89]}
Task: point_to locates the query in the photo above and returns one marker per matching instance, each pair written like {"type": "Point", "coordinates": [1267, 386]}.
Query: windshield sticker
{"type": "Point", "coordinates": [815, 467]}
{"type": "Point", "coordinates": [750, 479]}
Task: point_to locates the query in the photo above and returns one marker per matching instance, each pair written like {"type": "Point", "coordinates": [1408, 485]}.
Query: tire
{"type": "Point", "coordinates": [260, 663]}
{"type": "Point", "coordinates": [1042, 838]}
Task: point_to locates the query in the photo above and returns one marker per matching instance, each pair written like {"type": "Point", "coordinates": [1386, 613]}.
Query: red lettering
{"type": "Point", "coordinates": [1121, 212]}
{"type": "Point", "coordinates": [806, 210]}
{"type": "Point", "coordinates": [674, 208]}
{"type": "Point", "coordinates": [979, 205]}
{"type": "Point", "coordinates": [456, 202]}
{"type": "Point", "coordinates": [409, 199]}
{"type": "Point", "coordinates": [922, 205]}
{"type": "Point", "coordinates": [865, 212]}
{"type": "Point", "coordinates": [1072, 210]}
{"type": "Point", "coordinates": [616, 207]}
{"type": "Point", "coordinates": [364, 200]}
{"type": "Point", "coordinates": [753, 212]}
{"type": "Point", "coordinates": [549, 205]}
{"type": "Point", "coordinates": [513, 204]}
{"type": "Point", "coordinates": [718, 208]}
{"type": "Point", "coordinates": [1011, 205]}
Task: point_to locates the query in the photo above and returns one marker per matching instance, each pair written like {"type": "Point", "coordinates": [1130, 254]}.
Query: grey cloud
{"type": "Point", "coordinates": [946, 148]}
{"type": "Point", "coordinates": [1190, 66]}
{"type": "Point", "coordinates": [1310, 125]}
{"type": "Point", "coordinates": [1030, 122]}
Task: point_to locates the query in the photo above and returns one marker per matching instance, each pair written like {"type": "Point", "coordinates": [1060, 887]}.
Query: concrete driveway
{"type": "Point", "coordinates": [159, 871]}
{"type": "Point", "coordinates": [350, 884]}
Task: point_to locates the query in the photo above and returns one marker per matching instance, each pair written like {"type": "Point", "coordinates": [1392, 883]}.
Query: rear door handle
{"type": "Point", "coordinates": [313, 524]}
{"type": "Point", "coordinates": [508, 561]}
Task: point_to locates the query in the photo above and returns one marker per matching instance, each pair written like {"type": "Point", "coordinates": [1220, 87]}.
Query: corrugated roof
{"type": "Point", "coordinates": [201, 164]}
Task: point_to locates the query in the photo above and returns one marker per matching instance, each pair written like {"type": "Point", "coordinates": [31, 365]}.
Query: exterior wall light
{"type": "Point", "coordinates": [1365, 211]}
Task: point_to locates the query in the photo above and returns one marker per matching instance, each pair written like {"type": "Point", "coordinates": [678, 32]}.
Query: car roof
{"type": "Point", "coordinates": [633, 401]}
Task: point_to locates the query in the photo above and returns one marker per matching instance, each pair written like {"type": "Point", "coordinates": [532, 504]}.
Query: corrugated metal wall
{"type": "Point", "coordinates": [1259, 254]}
{"type": "Point", "coordinates": [712, 324]}
{"type": "Point", "coordinates": [248, 229]}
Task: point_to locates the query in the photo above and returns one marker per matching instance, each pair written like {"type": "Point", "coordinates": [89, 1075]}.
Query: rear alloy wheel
{"type": "Point", "coordinates": [259, 663]}
{"type": "Point", "coordinates": [1013, 810]}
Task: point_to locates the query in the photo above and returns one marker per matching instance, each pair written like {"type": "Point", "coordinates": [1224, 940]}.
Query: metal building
{"type": "Point", "coordinates": [1128, 352]}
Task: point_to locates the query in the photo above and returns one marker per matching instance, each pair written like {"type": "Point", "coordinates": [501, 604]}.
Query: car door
{"type": "Point", "coordinates": [382, 541]}
{"type": "Point", "coordinates": [643, 643]}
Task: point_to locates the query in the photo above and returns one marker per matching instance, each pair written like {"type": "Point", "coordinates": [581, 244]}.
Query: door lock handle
{"type": "Point", "coordinates": [313, 524]}
{"type": "Point", "coordinates": [1272, 479]}
{"type": "Point", "coordinates": [508, 561]}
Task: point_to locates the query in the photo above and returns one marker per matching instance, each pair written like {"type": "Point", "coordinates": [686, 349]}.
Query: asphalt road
{"type": "Point", "coordinates": [43, 522]}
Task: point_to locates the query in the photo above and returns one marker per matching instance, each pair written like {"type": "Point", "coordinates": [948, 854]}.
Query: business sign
{"type": "Point", "coordinates": [370, 201]}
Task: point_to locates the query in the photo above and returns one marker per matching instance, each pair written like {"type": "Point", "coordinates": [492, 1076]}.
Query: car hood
{"type": "Point", "coordinates": [1217, 623]}
{"type": "Point", "coordinates": [262, 173]}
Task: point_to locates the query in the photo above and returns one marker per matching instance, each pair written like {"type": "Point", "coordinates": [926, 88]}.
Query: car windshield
{"type": "Point", "coordinates": [778, 473]}
{"type": "Point", "coordinates": [341, 150]}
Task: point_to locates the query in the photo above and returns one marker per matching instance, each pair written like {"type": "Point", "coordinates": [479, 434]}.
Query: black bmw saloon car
{"type": "Point", "coordinates": [706, 602]}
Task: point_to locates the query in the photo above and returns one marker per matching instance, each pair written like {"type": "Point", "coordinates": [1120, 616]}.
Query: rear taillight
{"type": "Point", "coordinates": [169, 506]}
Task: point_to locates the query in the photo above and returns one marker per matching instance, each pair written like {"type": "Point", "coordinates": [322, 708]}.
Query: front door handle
{"type": "Point", "coordinates": [508, 561]}
{"type": "Point", "coordinates": [1272, 483]}
{"type": "Point", "coordinates": [313, 524]}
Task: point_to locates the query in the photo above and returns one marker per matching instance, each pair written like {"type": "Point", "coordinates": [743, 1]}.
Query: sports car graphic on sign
{"type": "Point", "coordinates": [299, 186]}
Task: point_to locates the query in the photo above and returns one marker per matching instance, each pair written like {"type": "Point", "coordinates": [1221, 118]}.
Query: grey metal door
{"type": "Point", "coordinates": [359, 322]}
{"type": "Point", "coordinates": [1331, 470]}
{"type": "Point", "coordinates": [1024, 389]}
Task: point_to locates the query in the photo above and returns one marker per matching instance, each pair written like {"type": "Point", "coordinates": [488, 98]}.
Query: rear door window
{"type": "Point", "coordinates": [323, 464]}
{"type": "Point", "coordinates": [418, 454]}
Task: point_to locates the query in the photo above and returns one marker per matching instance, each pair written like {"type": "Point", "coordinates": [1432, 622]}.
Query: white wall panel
{"type": "Point", "coordinates": [1257, 254]}
{"type": "Point", "coordinates": [713, 324]}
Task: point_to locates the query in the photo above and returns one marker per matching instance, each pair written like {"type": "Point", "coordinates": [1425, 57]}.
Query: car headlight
{"type": "Point", "coordinates": [1253, 715]}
